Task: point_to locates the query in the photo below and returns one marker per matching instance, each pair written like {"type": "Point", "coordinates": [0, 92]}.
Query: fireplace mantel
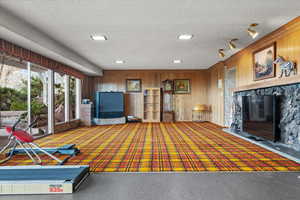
{"type": "Point", "coordinates": [270, 83]}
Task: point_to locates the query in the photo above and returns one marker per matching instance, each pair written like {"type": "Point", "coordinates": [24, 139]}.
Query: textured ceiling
{"type": "Point", "coordinates": [144, 33]}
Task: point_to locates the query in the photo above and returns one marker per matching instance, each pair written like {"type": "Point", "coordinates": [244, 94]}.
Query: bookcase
{"type": "Point", "coordinates": [152, 105]}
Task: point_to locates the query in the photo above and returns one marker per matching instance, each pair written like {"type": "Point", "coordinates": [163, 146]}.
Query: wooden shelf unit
{"type": "Point", "coordinates": [151, 105]}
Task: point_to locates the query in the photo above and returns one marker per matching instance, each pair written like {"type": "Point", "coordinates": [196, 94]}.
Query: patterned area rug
{"type": "Point", "coordinates": [155, 147]}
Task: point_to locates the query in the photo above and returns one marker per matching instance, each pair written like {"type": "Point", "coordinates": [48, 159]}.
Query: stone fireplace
{"type": "Point", "coordinates": [289, 106]}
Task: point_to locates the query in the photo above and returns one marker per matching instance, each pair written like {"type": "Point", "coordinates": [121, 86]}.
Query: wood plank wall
{"type": "Point", "coordinates": [287, 38]}
{"type": "Point", "coordinates": [114, 80]}
{"type": "Point", "coordinates": [204, 82]}
{"type": "Point", "coordinates": [88, 88]}
{"type": "Point", "coordinates": [215, 94]}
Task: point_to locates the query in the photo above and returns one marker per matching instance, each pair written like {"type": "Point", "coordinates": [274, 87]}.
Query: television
{"type": "Point", "coordinates": [260, 116]}
{"type": "Point", "coordinates": [109, 105]}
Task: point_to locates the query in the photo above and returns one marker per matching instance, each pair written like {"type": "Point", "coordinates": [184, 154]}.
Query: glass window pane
{"type": "Point", "coordinates": [39, 98]}
{"type": "Point", "coordinates": [13, 89]}
{"type": "Point", "coordinates": [59, 98]}
{"type": "Point", "coordinates": [72, 97]}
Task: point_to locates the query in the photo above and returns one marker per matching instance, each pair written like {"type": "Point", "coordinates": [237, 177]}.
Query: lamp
{"type": "Point", "coordinates": [221, 53]}
{"type": "Point", "coordinates": [253, 33]}
{"type": "Point", "coordinates": [231, 43]}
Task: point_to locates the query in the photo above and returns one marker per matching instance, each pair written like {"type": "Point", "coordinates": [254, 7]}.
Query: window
{"type": "Point", "coordinates": [24, 88]}
{"type": "Point", "coordinates": [72, 98]}
{"type": "Point", "coordinates": [59, 97]}
{"type": "Point", "coordinates": [13, 89]}
{"type": "Point", "coordinates": [39, 97]}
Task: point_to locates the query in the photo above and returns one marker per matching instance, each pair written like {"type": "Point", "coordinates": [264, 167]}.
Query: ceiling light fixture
{"type": "Point", "coordinates": [221, 53]}
{"type": "Point", "coordinates": [231, 43]}
{"type": "Point", "coordinates": [253, 33]}
{"type": "Point", "coordinates": [185, 36]}
{"type": "Point", "coordinates": [177, 61]}
{"type": "Point", "coordinates": [99, 37]}
{"type": "Point", "coordinates": [119, 61]}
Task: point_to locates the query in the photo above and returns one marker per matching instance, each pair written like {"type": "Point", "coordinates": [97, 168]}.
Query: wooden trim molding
{"type": "Point", "coordinates": [30, 56]}
{"type": "Point", "coordinates": [271, 83]}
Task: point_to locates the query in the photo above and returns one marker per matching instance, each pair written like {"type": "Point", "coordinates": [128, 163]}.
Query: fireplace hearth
{"type": "Point", "coordinates": [289, 105]}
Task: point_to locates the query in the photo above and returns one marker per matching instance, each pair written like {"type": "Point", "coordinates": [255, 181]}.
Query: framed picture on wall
{"type": "Point", "coordinates": [182, 86]}
{"type": "Point", "coordinates": [263, 66]}
{"type": "Point", "coordinates": [133, 85]}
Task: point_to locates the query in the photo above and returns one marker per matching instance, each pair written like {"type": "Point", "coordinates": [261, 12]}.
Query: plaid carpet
{"type": "Point", "coordinates": [154, 147]}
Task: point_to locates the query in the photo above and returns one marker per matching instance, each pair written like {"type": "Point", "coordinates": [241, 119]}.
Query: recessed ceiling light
{"type": "Point", "coordinates": [119, 61]}
{"type": "Point", "coordinates": [99, 37]}
{"type": "Point", "coordinates": [177, 61]}
{"type": "Point", "coordinates": [185, 36]}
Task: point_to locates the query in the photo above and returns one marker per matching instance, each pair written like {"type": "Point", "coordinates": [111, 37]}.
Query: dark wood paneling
{"type": "Point", "coordinates": [25, 54]}
{"type": "Point", "coordinates": [114, 80]}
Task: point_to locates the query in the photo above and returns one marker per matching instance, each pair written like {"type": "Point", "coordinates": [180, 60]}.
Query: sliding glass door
{"type": "Point", "coordinates": [59, 98]}
{"type": "Point", "coordinates": [38, 100]}
{"type": "Point", "coordinates": [13, 90]}
{"type": "Point", "coordinates": [38, 92]}
{"type": "Point", "coordinates": [72, 98]}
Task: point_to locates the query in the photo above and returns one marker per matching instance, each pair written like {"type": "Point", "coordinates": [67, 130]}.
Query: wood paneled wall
{"type": "Point", "coordinates": [287, 40]}
{"type": "Point", "coordinates": [88, 88]}
{"type": "Point", "coordinates": [216, 94]}
{"type": "Point", "coordinates": [114, 80]}
{"type": "Point", "coordinates": [205, 82]}
{"type": "Point", "coordinates": [27, 55]}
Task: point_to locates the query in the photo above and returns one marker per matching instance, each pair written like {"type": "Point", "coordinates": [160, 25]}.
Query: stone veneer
{"type": "Point", "coordinates": [289, 104]}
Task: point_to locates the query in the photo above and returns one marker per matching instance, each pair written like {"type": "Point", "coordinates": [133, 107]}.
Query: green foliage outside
{"type": "Point", "coordinates": [16, 100]}
{"type": "Point", "coordinates": [12, 99]}
{"type": "Point", "coordinates": [72, 96]}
